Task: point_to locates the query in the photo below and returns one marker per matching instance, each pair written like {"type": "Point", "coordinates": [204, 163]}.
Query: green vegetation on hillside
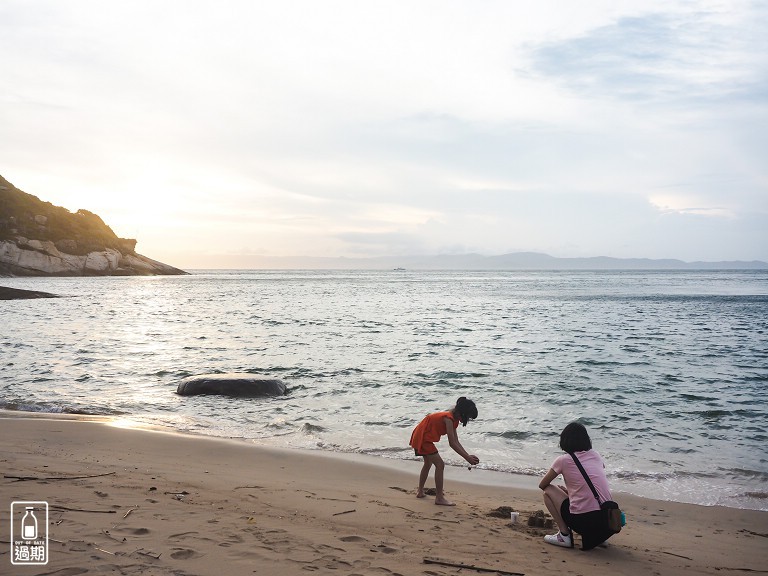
{"type": "Point", "coordinates": [22, 214]}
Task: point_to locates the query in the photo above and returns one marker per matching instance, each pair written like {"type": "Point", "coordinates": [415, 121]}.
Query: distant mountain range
{"type": "Point", "coordinates": [512, 261]}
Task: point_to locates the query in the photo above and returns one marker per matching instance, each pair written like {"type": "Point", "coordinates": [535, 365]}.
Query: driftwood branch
{"type": "Point", "coordinates": [47, 478]}
{"type": "Point", "coordinates": [156, 557]}
{"type": "Point", "coordinates": [676, 555]}
{"type": "Point", "coordinates": [108, 535]}
{"type": "Point", "coordinates": [471, 567]}
{"type": "Point", "coordinates": [57, 507]}
{"type": "Point", "coordinates": [345, 512]}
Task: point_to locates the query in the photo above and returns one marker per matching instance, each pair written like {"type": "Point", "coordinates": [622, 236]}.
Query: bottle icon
{"type": "Point", "coordinates": [29, 524]}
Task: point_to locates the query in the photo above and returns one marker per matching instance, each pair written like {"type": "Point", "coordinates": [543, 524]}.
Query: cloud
{"type": "Point", "coordinates": [345, 128]}
{"type": "Point", "coordinates": [682, 57]}
{"type": "Point", "coordinates": [683, 94]}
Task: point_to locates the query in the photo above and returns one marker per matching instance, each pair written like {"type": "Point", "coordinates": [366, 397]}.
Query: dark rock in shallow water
{"type": "Point", "coordinates": [238, 385]}
{"type": "Point", "coordinates": [17, 294]}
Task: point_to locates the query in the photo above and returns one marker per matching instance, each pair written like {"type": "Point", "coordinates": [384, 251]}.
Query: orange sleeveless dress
{"type": "Point", "coordinates": [429, 431]}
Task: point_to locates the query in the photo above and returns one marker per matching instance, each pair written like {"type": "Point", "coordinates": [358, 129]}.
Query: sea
{"type": "Point", "coordinates": [668, 370]}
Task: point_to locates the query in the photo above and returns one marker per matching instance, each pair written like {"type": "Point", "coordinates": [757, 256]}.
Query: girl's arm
{"type": "Point", "coordinates": [453, 441]}
{"type": "Point", "coordinates": [547, 480]}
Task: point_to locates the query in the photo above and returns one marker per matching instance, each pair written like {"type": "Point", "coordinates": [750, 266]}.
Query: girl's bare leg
{"type": "Point", "coordinates": [553, 499]}
{"type": "Point", "coordinates": [439, 469]}
{"type": "Point", "coordinates": [423, 476]}
{"type": "Point", "coordinates": [437, 461]}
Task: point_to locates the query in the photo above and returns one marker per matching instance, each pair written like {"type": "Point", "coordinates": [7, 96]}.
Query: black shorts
{"type": "Point", "coordinates": [592, 526]}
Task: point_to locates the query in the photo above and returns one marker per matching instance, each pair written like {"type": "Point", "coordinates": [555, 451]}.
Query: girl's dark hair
{"type": "Point", "coordinates": [574, 438]}
{"type": "Point", "coordinates": [465, 409]}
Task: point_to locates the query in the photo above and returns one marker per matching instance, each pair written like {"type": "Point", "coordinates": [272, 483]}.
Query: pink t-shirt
{"type": "Point", "coordinates": [582, 499]}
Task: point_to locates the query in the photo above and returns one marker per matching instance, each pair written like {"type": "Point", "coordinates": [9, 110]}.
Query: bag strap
{"type": "Point", "coordinates": [586, 476]}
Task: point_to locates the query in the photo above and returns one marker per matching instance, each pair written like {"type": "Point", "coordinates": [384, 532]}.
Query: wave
{"type": "Point", "coordinates": [309, 429]}
{"type": "Point", "coordinates": [612, 363]}
{"type": "Point", "coordinates": [676, 298]}
{"type": "Point", "coordinates": [710, 413]}
{"type": "Point", "coordinates": [717, 413]}
{"type": "Point", "coordinates": [755, 378]}
{"type": "Point", "coordinates": [518, 470]}
{"type": "Point", "coordinates": [758, 495]}
{"type": "Point", "coordinates": [759, 475]}
{"type": "Point", "coordinates": [386, 450]}
{"type": "Point", "coordinates": [47, 408]}
{"type": "Point", "coordinates": [696, 398]}
{"type": "Point", "coordinates": [676, 475]}
{"type": "Point", "coordinates": [678, 450]}
{"type": "Point", "coordinates": [447, 376]}
{"type": "Point", "coordinates": [512, 435]}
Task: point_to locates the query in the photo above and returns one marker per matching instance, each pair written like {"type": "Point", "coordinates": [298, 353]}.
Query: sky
{"type": "Point", "coordinates": [218, 133]}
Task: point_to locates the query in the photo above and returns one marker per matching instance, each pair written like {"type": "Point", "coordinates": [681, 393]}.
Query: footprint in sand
{"type": "Point", "coordinates": [352, 539]}
{"type": "Point", "coordinates": [181, 535]}
{"type": "Point", "coordinates": [232, 539]}
{"type": "Point", "coordinates": [135, 531]}
{"type": "Point", "coordinates": [185, 554]}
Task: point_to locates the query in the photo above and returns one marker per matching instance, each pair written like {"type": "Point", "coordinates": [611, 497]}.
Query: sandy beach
{"type": "Point", "coordinates": [153, 502]}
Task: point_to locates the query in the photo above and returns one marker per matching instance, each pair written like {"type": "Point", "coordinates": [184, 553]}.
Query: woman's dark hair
{"type": "Point", "coordinates": [465, 409]}
{"type": "Point", "coordinates": [574, 438]}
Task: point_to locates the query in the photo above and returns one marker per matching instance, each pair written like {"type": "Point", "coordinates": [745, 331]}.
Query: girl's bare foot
{"type": "Point", "coordinates": [420, 494]}
{"type": "Point", "coordinates": [441, 501]}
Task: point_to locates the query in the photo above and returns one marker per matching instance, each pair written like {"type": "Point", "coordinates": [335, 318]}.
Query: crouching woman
{"type": "Point", "coordinates": [574, 506]}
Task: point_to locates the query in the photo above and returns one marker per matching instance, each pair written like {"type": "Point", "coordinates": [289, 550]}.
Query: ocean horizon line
{"type": "Point", "coordinates": [526, 261]}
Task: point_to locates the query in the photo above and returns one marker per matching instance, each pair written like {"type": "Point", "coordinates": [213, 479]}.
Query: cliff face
{"type": "Point", "coordinates": [40, 239]}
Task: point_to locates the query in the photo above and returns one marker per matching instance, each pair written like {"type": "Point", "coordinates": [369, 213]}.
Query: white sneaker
{"type": "Point", "coordinates": [566, 541]}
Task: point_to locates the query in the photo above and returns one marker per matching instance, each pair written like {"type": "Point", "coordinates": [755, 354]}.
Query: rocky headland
{"type": "Point", "coordinates": [40, 239]}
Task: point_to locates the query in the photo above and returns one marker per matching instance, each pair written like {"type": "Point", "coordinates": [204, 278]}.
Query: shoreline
{"type": "Point", "coordinates": [480, 476]}
{"type": "Point", "coordinates": [176, 503]}
{"type": "Point", "coordinates": [477, 476]}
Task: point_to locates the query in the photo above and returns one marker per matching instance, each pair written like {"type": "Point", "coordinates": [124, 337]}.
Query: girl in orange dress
{"type": "Point", "coordinates": [429, 431]}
